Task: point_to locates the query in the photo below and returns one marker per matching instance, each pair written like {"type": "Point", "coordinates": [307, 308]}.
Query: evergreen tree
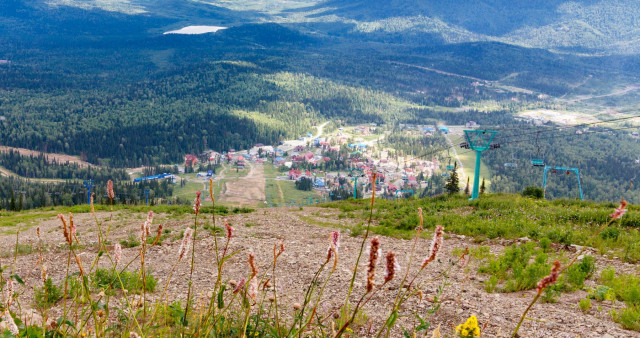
{"type": "Point", "coordinates": [482, 187]}
{"type": "Point", "coordinates": [466, 187]}
{"type": "Point", "coordinates": [12, 203]}
{"type": "Point", "coordinates": [453, 183]}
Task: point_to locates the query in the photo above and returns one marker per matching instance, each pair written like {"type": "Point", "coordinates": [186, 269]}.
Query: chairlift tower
{"type": "Point", "coordinates": [479, 140]}
{"type": "Point", "coordinates": [146, 195]}
{"type": "Point", "coordinates": [355, 173]}
{"type": "Point", "coordinates": [562, 170]}
{"type": "Point", "coordinates": [88, 184]}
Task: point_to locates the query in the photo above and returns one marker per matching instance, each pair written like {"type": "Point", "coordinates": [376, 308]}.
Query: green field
{"type": "Point", "coordinates": [468, 160]}
{"type": "Point", "coordinates": [284, 192]}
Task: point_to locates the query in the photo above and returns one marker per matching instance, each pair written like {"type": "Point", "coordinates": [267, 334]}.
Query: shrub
{"type": "Point", "coordinates": [533, 191]}
{"type": "Point", "coordinates": [585, 304]}
{"type": "Point", "coordinates": [629, 318]}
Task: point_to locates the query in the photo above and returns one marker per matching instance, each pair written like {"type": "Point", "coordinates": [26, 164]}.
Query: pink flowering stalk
{"type": "Point", "coordinates": [436, 244]}
{"type": "Point", "coordinates": [197, 202]}
{"type": "Point", "coordinates": [43, 273]}
{"type": "Point", "coordinates": [549, 280]}
{"type": "Point", "coordinates": [253, 288]}
{"type": "Point", "coordinates": [542, 284]}
{"type": "Point", "coordinates": [240, 286]}
{"type": "Point", "coordinates": [117, 253]}
{"type": "Point", "coordinates": [72, 229]}
{"type": "Point", "coordinates": [620, 211]}
{"type": "Point", "coordinates": [8, 293]}
{"type": "Point", "coordinates": [186, 243]}
{"type": "Point", "coordinates": [229, 229]}
{"type": "Point", "coordinates": [149, 222]}
{"type": "Point", "coordinates": [252, 263]}
{"type": "Point", "coordinates": [334, 244]}
{"type": "Point", "coordinates": [374, 253]}
{"type": "Point", "coordinates": [392, 267]}
{"type": "Point", "coordinates": [110, 192]}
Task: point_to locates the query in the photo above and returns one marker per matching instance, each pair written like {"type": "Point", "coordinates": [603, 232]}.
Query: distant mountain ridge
{"type": "Point", "coordinates": [597, 26]}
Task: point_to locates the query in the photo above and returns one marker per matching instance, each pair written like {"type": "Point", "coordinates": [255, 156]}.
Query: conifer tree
{"type": "Point", "coordinates": [466, 187]}
{"type": "Point", "coordinates": [482, 187]}
{"type": "Point", "coordinates": [453, 183]}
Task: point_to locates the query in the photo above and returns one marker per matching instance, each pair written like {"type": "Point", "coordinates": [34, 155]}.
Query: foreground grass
{"type": "Point", "coordinates": [507, 216]}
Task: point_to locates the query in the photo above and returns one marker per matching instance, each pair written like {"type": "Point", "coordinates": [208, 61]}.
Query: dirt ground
{"type": "Point", "coordinates": [305, 249]}
{"type": "Point", "coordinates": [248, 190]}
{"type": "Point", "coordinates": [60, 158]}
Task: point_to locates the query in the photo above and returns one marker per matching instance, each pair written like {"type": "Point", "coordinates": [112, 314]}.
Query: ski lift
{"type": "Point", "coordinates": [537, 162]}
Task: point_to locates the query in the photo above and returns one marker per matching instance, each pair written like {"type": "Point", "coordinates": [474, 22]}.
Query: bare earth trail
{"type": "Point", "coordinates": [248, 190]}
{"type": "Point", "coordinates": [305, 250]}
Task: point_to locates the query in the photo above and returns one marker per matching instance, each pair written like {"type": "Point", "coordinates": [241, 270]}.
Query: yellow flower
{"type": "Point", "coordinates": [469, 329]}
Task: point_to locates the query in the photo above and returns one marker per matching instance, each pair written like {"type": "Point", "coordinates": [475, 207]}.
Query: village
{"type": "Point", "coordinates": [330, 165]}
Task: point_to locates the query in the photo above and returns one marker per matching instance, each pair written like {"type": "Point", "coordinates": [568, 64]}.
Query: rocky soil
{"type": "Point", "coordinates": [305, 250]}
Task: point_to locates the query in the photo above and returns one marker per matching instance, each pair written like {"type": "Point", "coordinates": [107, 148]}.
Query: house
{"type": "Point", "coordinates": [190, 160]}
{"type": "Point", "coordinates": [471, 125]}
{"type": "Point", "coordinates": [294, 174]}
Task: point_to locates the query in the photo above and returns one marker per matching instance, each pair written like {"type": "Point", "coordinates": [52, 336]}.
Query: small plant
{"type": "Point", "coordinates": [131, 242]}
{"type": "Point", "coordinates": [48, 294]}
{"type": "Point", "coordinates": [469, 329]}
{"type": "Point", "coordinates": [585, 304]}
{"type": "Point", "coordinates": [545, 244]}
{"type": "Point", "coordinates": [109, 279]}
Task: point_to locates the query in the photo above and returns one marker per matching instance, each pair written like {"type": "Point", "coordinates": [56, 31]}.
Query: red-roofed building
{"type": "Point", "coordinates": [294, 174]}
{"type": "Point", "coordinates": [190, 160]}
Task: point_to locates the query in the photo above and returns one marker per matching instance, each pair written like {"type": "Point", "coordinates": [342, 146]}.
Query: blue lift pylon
{"type": "Point", "coordinates": [88, 184]}
{"type": "Point", "coordinates": [564, 170]}
{"type": "Point", "coordinates": [478, 140]}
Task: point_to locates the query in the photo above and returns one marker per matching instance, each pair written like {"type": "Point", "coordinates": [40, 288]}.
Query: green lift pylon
{"type": "Point", "coordinates": [478, 140]}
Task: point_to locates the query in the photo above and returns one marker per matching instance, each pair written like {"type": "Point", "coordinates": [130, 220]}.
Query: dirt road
{"type": "Point", "coordinates": [247, 190]}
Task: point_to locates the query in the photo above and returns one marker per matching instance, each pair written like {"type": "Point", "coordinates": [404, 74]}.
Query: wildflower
{"type": "Point", "coordinates": [213, 200]}
{"type": "Point", "coordinates": [8, 323]}
{"type": "Point", "coordinates": [469, 329]}
{"type": "Point", "coordinates": [253, 288]}
{"type": "Point", "coordinates": [186, 242]}
{"type": "Point", "coordinates": [392, 267]}
{"type": "Point", "coordinates": [229, 229]}
{"type": "Point", "coordinates": [196, 203]}
{"type": "Point", "coordinates": [8, 293]}
{"type": "Point", "coordinates": [72, 229]}
{"type": "Point", "coordinates": [117, 253]}
{"type": "Point", "coordinates": [374, 252]}
{"type": "Point", "coordinates": [421, 219]}
{"type": "Point", "coordinates": [373, 188]}
{"type": "Point", "coordinates": [620, 211]}
{"type": "Point", "coordinates": [436, 244]}
{"type": "Point", "coordinates": [64, 228]}
{"type": "Point", "coordinates": [252, 263]}
{"type": "Point", "coordinates": [93, 211]}
{"type": "Point", "coordinates": [334, 244]}
{"type": "Point", "coordinates": [552, 278]}
{"type": "Point", "coordinates": [110, 192]}
{"type": "Point", "coordinates": [239, 286]}
{"type": "Point", "coordinates": [38, 232]}
{"type": "Point", "coordinates": [133, 335]}
{"type": "Point", "coordinates": [149, 221]}
{"type": "Point", "coordinates": [43, 273]}
{"type": "Point", "coordinates": [296, 306]}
